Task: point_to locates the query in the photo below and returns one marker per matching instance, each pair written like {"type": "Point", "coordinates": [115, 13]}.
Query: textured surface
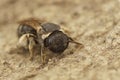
{"type": "Point", "coordinates": [94, 23]}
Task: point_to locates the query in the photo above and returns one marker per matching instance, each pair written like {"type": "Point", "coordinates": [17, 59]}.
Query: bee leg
{"type": "Point", "coordinates": [31, 47]}
{"type": "Point", "coordinates": [41, 53]}
{"type": "Point", "coordinates": [31, 52]}
{"type": "Point", "coordinates": [43, 56]}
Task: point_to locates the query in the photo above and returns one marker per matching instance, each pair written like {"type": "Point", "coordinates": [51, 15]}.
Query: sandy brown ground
{"type": "Point", "coordinates": [94, 23]}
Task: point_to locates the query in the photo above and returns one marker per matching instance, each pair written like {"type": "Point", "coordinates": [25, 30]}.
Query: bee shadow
{"type": "Point", "coordinates": [21, 51]}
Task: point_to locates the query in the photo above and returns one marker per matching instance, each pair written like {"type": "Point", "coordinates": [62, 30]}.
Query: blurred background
{"type": "Point", "coordinates": [94, 23]}
{"type": "Point", "coordinates": [60, 11]}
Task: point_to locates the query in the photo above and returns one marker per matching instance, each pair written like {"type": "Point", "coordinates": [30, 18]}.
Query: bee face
{"type": "Point", "coordinates": [57, 41]}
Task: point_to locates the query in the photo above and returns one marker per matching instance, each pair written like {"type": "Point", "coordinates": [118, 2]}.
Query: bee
{"type": "Point", "coordinates": [30, 33]}
{"type": "Point", "coordinates": [58, 41]}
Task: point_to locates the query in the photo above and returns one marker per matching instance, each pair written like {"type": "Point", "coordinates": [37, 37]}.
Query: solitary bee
{"type": "Point", "coordinates": [30, 33]}
{"type": "Point", "coordinates": [57, 41]}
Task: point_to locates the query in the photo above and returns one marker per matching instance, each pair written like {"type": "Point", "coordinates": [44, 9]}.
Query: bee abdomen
{"type": "Point", "coordinates": [57, 41]}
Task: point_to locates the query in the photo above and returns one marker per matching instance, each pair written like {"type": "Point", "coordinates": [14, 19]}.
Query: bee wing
{"type": "Point", "coordinates": [50, 27]}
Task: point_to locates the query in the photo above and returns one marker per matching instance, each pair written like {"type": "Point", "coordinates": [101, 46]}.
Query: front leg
{"type": "Point", "coordinates": [27, 41]}
{"type": "Point", "coordinates": [31, 47]}
{"type": "Point", "coordinates": [31, 50]}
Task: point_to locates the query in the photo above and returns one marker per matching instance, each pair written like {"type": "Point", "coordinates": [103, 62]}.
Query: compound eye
{"type": "Point", "coordinates": [25, 29]}
{"type": "Point", "coordinates": [50, 27]}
